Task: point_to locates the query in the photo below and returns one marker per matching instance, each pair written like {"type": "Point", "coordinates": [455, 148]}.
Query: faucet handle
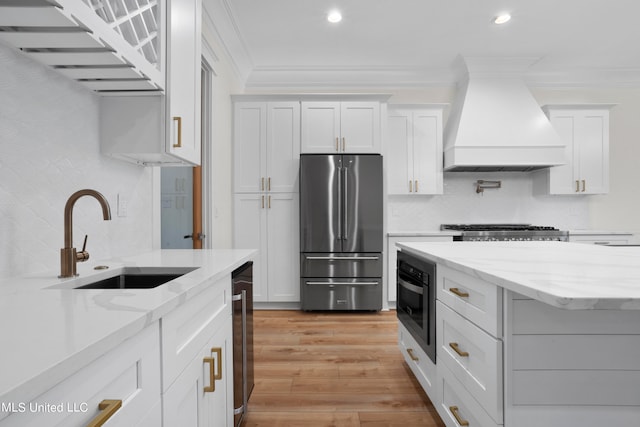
{"type": "Point", "coordinates": [83, 255]}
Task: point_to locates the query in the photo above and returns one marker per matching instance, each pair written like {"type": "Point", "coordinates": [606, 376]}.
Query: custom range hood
{"type": "Point", "coordinates": [495, 124]}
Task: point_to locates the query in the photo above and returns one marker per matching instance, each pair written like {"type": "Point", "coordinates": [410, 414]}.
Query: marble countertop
{"type": "Point", "coordinates": [564, 275]}
{"type": "Point", "coordinates": [49, 333]}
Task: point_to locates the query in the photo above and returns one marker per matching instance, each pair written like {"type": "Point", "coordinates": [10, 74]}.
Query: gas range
{"type": "Point", "coordinates": [503, 232]}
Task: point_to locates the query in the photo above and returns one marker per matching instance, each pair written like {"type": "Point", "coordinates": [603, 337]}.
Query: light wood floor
{"type": "Point", "coordinates": [333, 369]}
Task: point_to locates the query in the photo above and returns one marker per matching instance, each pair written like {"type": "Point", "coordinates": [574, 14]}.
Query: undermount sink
{"type": "Point", "coordinates": [134, 278]}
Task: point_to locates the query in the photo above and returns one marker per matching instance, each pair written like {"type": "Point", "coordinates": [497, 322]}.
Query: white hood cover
{"type": "Point", "coordinates": [495, 123]}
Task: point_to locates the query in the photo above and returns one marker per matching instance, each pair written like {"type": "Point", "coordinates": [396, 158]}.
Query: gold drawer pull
{"type": "Point", "coordinates": [179, 120]}
{"type": "Point", "coordinates": [411, 355]}
{"type": "Point", "coordinates": [212, 374]}
{"type": "Point", "coordinates": [458, 292]}
{"type": "Point", "coordinates": [454, 346]}
{"type": "Point", "coordinates": [454, 412]}
{"type": "Point", "coordinates": [107, 408]}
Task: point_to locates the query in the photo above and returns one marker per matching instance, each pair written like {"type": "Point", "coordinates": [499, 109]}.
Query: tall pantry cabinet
{"type": "Point", "coordinates": [266, 145]}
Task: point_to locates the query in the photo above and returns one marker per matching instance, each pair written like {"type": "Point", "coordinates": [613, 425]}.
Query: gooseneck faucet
{"type": "Point", "coordinates": [68, 255]}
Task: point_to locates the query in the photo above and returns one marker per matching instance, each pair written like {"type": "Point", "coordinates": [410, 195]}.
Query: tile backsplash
{"type": "Point", "coordinates": [514, 202]}
{"type": "Point", "coordinates": [49, 146]}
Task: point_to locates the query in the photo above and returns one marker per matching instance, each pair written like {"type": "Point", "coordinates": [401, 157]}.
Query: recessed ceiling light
{"type": "Point", "coordinates": [502, 18]}
{"type": "Point", "coordinates": [334, 17]}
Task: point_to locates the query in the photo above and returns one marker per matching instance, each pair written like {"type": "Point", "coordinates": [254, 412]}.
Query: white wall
{"type": "Point", "coordinates": [49, 148]}
{"type": "Point", "coordinates": [225, 83]}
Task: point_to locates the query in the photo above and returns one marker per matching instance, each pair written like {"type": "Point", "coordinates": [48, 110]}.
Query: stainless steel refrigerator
{"type": "Point", "coordinates": [341, 231]}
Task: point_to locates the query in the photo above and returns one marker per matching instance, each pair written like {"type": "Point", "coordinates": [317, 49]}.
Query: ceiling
{"type": "Point", "coordinates": [412, 43]}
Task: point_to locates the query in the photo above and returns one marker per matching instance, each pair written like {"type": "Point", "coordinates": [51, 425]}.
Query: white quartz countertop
{"type": "Point", "coordinates": [564, 275]}
{"type": "Point", "coordinates": [48, 334]}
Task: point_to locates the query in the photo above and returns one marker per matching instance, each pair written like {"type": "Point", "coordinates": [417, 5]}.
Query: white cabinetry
{"type": "Point", "coordinates": [198, 361]}
{"type": "Point", "coordinates": [130, 374]}
{"type": "Point", "coordinates": [269, 222]}
{"type": "Point", "coordinates": [266, 146]}
{"type": "Point", "coordinates": [585, 131]}
{"type": "Point", "coordinates": [341, 127]}
{"type": "Point", "coordinates": [469, 349]}
{"type": "Point", "coordinates": [392, 256]}
{"type": "Point", "coordinates": [266, 161]}
{"type": "Point", "coordinates": [414, 149]}
{"type": "Point", "coordinates": [107, 46]}
{"type": "Point", "coordinates": [419, 363]}
{"type": "Point", "coordinates": [594, 238]}
{"type": "Point", "coordinates": [162, 130]}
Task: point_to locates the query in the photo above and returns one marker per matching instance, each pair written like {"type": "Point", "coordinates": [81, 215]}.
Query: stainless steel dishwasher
{"type": "Point", "coordinates": [242, 279]}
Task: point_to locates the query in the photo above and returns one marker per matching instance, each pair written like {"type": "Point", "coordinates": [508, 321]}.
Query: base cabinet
{"type": "Point", "coordinates": [507, 360]}
{"type": "Point", "coordinates": [269, 222]}
{"type": "Point", "coordinates": [178, 371]}
{"type": "Point", "coordinates": [419, 363]}
{"type": "Point", "coordinates": [203, 394]}
{"type": "Point", "coordinates": [129, 373]}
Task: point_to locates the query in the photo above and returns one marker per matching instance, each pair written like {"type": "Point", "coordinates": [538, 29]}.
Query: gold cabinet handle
{"type": "Point", "coordinates": [577, 185]}
{"type": "Point", "coordinates": [416, 186]}
{"type": "Point", "coordinates": [269, 184]}
{"type": "Point", "coordinates": [454, 411]}
{"type": "Point", "coordinates": [584, 185]}
{"type": "Point", "coordinates": [344, 144]}
{"type": "Point", "coordinates": [458, 292]}
{"type": "Point", "coordinates": [269, 202]}
{"type": "Point", "coordinates": [262, 202]}
{"type": "Point", "coordinates": [213, 376]}
{"type": "Point", "coordinates": [410, 186]}
{"type": "Point", "coordinates": [107, 408]}
{"type": "Point", "coordinates": [262, 184]}
{"type": "Point", "coordinates": [337, 144]}
{"type": "Point", "coordinates": [179, 120]}
{"type": "Point", "coordinates": [456, 348]}
{"type": "Point", "coordinates": [411, 355]}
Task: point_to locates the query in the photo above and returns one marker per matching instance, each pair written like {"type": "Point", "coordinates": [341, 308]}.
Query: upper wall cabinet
{"type": "Point", "coordinates": [585, 130]}
{"type": "Point", "coordinates": [266, 146]}
{"type": "Point", "coordinates": [126, 48]}
{"type": "Point", "coordinates": [162, 130]}
{"type": "Point", "coordinates": [341, 127]}
{"type": "Point", "coordinates": [414, 149]}
{"type": "Point", "coordinates": [108, 45]}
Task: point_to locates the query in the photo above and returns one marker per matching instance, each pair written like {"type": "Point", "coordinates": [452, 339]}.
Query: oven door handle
{"type": "Point", "coordinates": [411, 287]}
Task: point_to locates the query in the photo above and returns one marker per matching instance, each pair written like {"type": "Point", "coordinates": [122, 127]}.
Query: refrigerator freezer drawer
{"type": "Point", "coordinates": [341, 294]}
{"type": "Point", "coordinates": [341, 265]}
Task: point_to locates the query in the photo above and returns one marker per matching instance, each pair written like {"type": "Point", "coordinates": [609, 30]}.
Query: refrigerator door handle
{"type": "Point", "coordinates": [340, 206]}
{"type": "Point", "coordinates": [345, 207]}
{"type": "Point", "coordinates": [343, 258]}
{"type": "Point", "coordinates": [372, 283]}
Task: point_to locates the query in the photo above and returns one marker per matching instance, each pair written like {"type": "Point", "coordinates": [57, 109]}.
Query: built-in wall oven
{"type": "Point", "coordinates": [416, 300]}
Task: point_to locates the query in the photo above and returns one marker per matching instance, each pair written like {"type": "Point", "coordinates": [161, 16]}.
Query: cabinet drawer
{"type": "Point", "coordinates": [130, 372]}
{"type": "Point", "coordinates": [473, 356]}
{"type": "Point", "coordinates": [472, 298]}
{"type": "Point", "coordinates": [186, 329]}
{"type": "Point", "coordinates": [455, 405]}
{"type": "Point", "coordinates": [421, 366]}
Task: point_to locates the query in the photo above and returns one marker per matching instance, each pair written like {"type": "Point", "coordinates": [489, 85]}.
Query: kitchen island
{"type": "Point", "coordinates": [532, 334]}
{"type": "Point", "coordinates": [138, 342]}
